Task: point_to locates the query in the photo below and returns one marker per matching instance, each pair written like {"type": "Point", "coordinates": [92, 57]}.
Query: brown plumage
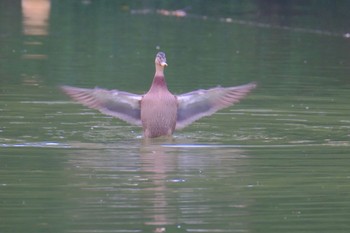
{"type": "Point", "coordinates": [159, 112]}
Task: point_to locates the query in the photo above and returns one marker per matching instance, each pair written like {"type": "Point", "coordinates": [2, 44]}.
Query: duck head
{"type": "Point", "coordinates": [160, 63]}
{"type": "Point", "coordinates": [161, 59]}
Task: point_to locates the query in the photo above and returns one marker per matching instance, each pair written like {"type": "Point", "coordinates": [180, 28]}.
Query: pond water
{"type": "Point", "coordinates": [276, 162]}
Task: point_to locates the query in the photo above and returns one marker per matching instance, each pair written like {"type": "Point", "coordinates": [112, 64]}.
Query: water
{"type": "Point", "coordinates": [276, 162]}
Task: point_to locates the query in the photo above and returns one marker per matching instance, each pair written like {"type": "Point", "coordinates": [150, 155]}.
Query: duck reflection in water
{"type": "Point", "coordinates": [159, 112]}
{"type": "Point", "coordinates": [172, 172]}
{"type": "Point", "coordinates": [157, 166]}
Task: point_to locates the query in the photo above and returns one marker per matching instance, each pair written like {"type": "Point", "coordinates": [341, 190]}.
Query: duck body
{"type": "Point", "coordinates": [162, 105]}
{"type": "Point", "coordinates": [159, 112]}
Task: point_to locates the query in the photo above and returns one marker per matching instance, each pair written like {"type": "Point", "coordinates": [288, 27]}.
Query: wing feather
{"type": "Point", "coordinates": [120, 104]}
{"type": "Point", "coordinates": [197, 104]}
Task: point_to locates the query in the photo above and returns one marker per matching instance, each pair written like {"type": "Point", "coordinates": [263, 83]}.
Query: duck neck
{"type": "Point", "coordinates": [159, 79]}
{"type": "Point", "coordinates": [159, 70]}
{"type": "Point", "coordinates": [158, 83]}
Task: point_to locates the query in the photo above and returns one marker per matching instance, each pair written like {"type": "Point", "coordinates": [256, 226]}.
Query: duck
{"type": "Point", "coordinates": [159, 112]}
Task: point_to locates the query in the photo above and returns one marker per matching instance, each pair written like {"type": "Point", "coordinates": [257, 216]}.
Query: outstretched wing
{"type": "Point", "coordinates": [123, 105]}
{"type": "Point", "coordinates": [197, 104]}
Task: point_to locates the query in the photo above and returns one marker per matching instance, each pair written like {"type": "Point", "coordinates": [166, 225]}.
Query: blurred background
{"type": "Point", "coordinates": [110, 42]}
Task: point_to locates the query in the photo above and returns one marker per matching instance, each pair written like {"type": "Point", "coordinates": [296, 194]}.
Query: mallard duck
{"type": "Point", "coordinates": [159, 112]}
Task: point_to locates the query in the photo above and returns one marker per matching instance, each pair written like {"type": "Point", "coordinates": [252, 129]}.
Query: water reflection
{"type": "Point", "coordinates": [158, 164]}
{"type": "Point", "coordinates": [35, 17]}
{"type": "Point", "coordinates": [159, 187]}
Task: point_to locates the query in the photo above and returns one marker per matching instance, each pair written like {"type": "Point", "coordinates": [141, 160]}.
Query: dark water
{"type": "Point", "coordinates": [276, 162]}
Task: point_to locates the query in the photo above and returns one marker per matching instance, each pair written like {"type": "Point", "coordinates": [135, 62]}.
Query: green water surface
{"type": "Point", "coordinates": [276, 162]}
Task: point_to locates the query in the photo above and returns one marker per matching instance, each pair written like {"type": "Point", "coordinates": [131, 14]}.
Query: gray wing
{"type": "Point", "coordinates": [123, 105]}
{"type": "Point", "coordinates": [197, 104]}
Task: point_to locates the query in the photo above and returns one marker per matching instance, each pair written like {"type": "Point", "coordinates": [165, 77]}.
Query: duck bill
{"type": "Point", "coordinates": [163, 64]}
